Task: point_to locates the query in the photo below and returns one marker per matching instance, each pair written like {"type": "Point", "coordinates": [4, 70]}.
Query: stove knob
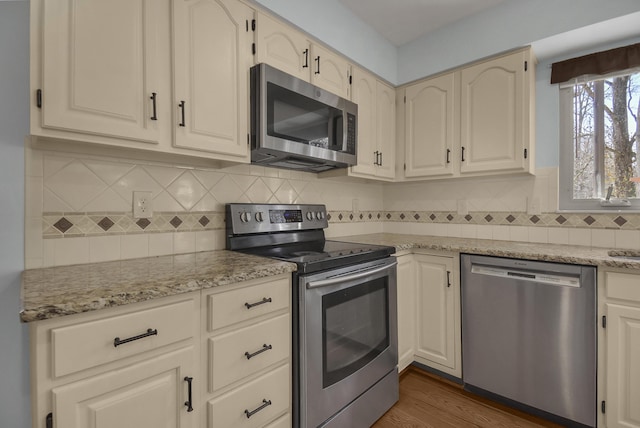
{"type": "Point", "coordinates": [319, 215]}
{"type": "Point", "coordinates": [309, 215]}
{"type": "Point", "coordinates": [259, 217]}
{"type": "Point", "coordinates": [245, 217]}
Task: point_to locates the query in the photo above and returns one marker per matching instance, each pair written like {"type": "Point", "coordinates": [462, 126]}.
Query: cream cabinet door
{"type": "Point", "coordinates": [211, 59]}
{"type": "Point", "coordinates": [99, 65]}
{"type": "Point", "coordinates": [364, 94]}
{"type": "Point", "coordinates": [495, 114]}
{"type": "Point", "coordinates": [151, 394]}
{"type": "Point", "coordinates": [386, 130]}
{"type": "Point", "coordinates": [282, 47]}
{"type": "Point", "coordinates": [406, 310]}
{"type": "Point", "coordinates": [330, 71]}
{"type": "Point", "coordinates": [623, 366]}
{"type": "Point", "coordinates": [431, 127]}
{"type": "Point", "coordinates": [436, 311]}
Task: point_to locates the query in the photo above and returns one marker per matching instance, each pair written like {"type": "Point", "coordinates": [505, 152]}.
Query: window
{"type": "Point", "coordinates": [599, 142]}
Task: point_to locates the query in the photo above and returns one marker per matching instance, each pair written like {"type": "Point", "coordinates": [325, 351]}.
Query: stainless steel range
{"type": "Point", "coordinates": [344, 313]}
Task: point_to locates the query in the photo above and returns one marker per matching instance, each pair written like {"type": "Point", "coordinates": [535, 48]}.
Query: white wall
{"type": "Point", "coordinates": [14, 120]}
{"type": "Point", "coordinates": [512, 24]}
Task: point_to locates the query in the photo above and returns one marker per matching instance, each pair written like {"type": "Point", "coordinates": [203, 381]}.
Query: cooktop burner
{"type": "Point", "coordinates": [293, 233]}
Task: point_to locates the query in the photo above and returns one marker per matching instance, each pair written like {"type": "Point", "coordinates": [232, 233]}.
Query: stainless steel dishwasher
{"type": "Point", "coordinates": [529, 336]}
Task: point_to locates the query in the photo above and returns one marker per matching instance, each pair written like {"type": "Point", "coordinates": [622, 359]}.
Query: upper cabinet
{"type": "Point", "coordinates": [474, 121]}
{"type": "Point", "coordinates": [100, 63]}
{"type": "Point", "coordinates": [289, 50]}
{"type": "Point", "coordinates": [211, 61]}
{"type": "Point", "coordinates": [105, 72]}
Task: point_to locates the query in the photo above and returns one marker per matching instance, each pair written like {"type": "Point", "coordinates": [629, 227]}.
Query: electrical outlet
{"type": "Point", "coordinates": [142, 204]}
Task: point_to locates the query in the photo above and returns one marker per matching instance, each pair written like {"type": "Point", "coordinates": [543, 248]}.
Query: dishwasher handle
{"type": "Point", "coordinates": [546, 278]}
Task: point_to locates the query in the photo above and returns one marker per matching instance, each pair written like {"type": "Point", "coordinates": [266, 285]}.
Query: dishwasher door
{"type": "Point", "coordinates": [529, 335]}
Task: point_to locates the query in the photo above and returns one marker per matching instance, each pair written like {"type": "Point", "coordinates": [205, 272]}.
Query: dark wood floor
{"type": "Point", "coordinates": [430, 401]}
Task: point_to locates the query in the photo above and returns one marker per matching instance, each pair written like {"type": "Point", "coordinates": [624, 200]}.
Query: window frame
{"type": "Point", "coordinates": [566, 202]}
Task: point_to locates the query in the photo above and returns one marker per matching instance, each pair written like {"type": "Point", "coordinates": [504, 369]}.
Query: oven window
{"type": "Point", "coordinates": [355, 328]}
{"type": "Point", "coordinates": [297, 118]}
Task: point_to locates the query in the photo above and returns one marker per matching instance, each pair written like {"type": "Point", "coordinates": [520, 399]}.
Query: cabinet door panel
{"type": "Point", "coordinates": [99, 67]}
{"type": "Point", "coordinates": [330, 71]}
{"type": "Point", "coordinates": [364, 94]}
{"type": "Point", "coordinates": [492, 115]}
{"type": "Point", "coordinates": [406, 310]}
{"type": "Point", "coordinates": [623, 366]}
{"type": "Point", "coordinates": [436, 317]}
{"type": "Point", "coordinates": [211, 68]}
{"type": "Point", "coordinates": [146, 395]}
{"type": "Point", "coordinates": [282, 47]}
{"type": "Point", "coordinates": [429, 129]}
{"type": "Point", "coordinates": [386, 129]}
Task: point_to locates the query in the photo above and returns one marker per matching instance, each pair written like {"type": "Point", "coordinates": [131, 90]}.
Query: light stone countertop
{"type": "Point", "coordinates": [571, 254]}
{"type": "Point", "coordinates": [65, 290]}
{"type": "Point", "coordinates": [52, 292]}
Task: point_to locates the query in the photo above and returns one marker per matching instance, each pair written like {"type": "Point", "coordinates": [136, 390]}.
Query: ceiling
{"type": "Point", "coordinates": [401, 21]}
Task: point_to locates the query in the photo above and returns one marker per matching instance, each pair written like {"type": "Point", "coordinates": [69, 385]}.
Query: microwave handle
{"type": "Point", "coordinates": [350, 277]}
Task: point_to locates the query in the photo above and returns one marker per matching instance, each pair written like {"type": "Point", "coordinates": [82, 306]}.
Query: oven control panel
{"type": "Point", "coordinates": [264, 218]}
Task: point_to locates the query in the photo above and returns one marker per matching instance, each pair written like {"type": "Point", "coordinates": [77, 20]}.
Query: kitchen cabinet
{"type": "Point", "coordinates": [477, 120]}
{"type": "Point", "coordinates": [100, 67]}
{"type": "Point", "coordinates": [376, 126]}
{"type": "Point", "coordinates": [289, 50]}
{"type": "Point", "coordinates": [165, 76]}
{"type": "Point", "coordinates": [406, 310]}
{"type": "Point", "coordinates": [622, 391]}
{"type": "Point", "coordinates": [211, 61]}
{"type": "Point", "coordinates": [130, 366]}
{"type": "Point", "coordinates": [438, 333]}
{"type": "Point", "coordinates": [246, 353]}
{"type": "Point", "coordinates": [431, 143]}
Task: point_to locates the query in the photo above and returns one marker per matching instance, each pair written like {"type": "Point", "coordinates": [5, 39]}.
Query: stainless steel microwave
{"type": "Point", "coordinates": [297, 125]}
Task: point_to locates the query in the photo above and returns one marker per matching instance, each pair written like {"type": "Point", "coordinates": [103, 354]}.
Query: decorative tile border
{"type": "Point", "coordinates": [58, 225]}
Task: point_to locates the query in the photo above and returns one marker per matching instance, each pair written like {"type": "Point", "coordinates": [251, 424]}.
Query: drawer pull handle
{"type": "Point", "coordinates": [261, 302]}
{"type": "Point", "coordinates": [265, 403]}
{"type": "Point", "coordinates": [265, 347]}
{"type": "Point", "coordinates": [117, 341]}
{"type": "Point", "coordinates": [189, 403]}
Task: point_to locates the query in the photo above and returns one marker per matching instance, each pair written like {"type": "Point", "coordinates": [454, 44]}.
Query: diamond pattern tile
{"type": "Point", "coordinates": [63, 225]}
{"type": "Point", "coordinates": [468, 217]}
{"type": "Point", "coordinates": [204, 221]}
{"type": "Point", "coordinates": [589, 220]}
{"type": "Point", "coordinates": [534, 219]}
{"type": "Point", "coordinates": [75, 184]}
{"type": "Point", "coordinates": [620, 221]}
{"type": "Point", "coordinates": [226, 190]}
{"type": "Point", "coordinates": [488, 218]}
{"type": "Point", "coordinates": [106, 223]}
{"type": "Point", "coordinates": [449, 217]}
{"type": "Point", "coordinates": [175, 221]}
{"type": "Point", "coordinates": [187, 190]}
{"type": "Point", "coordinates": [510, 218]}
{"type": "Point", "coordinates": [143, 223]}
{"type": "Point", "coordinates": [561, 219]}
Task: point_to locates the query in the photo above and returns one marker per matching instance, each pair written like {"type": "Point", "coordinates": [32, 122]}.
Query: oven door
{"type": "Point", "coordinates": [348, 336]}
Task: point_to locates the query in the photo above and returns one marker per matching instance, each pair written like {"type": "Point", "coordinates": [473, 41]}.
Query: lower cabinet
{"type": "Point", "coordinates": [128, 367]}
{"type": "Point", "coordinates": [429, 330]}
{"type": "Point", "coordinates": [246, 354]}
{"type": "Point", "coordinates": [406, 310]}
{"type": "Point", "coordinates": [220, 357]}
{"type": "Point", "coordinates": [438, 337]}
{"type": "Point", "coordinates": [622, 309]}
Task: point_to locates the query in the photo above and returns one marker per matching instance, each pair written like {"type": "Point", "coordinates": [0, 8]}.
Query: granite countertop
{"type": "Point", "coordinates": [65, 290]}
{"type": "Point", "coordinates": [52, 292]}
{"type": "Point", "coordinates": [572, 254]}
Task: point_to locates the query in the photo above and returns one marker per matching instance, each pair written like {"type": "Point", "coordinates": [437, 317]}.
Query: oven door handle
{"type": "Point", "coordinates": [349, 277]}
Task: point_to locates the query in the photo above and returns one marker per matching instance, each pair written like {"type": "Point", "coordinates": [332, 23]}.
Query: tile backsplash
{"type": "Point", "coordinates": [79, 208]}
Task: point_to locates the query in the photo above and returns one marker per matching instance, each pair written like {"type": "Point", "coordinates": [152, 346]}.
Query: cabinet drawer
{"type": "Point", "coordinates": [283, 422]}
{"type": "Point", "coordinates": [623, 286]}
{"type": "Point", "coordinates": [242, 304]}
{"type": "Point", "coordinates": [230, 410]}
{"type": "Point", "coordinates": [228, 360]}
{"type": "Point", "coordinates": [81, 346]}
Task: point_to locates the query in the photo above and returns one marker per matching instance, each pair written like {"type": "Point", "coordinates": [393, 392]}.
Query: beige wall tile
{"type": "Point", "coordinates": [104, 248]}
{"type": "Point", "coordinates": [71, 251]}
{"type": "Point", "coordinates": [134, 246]}
{"type": "Point", "coordinates": [160, 244]}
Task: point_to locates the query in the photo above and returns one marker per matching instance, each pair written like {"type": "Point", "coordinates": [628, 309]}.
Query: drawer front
{"type": "Point", "coordinates": [242, 304]}
{"type": "Point", "coordinates": [283, 422]}
{"type": "Point", "coordinates": [230, 410]}
{"type": "Point", "coordinates": [623, 286]}
{"type": "Point", "coordinates": [90, 344]}
{"type": "Point", "coordinates": [228, 353]}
